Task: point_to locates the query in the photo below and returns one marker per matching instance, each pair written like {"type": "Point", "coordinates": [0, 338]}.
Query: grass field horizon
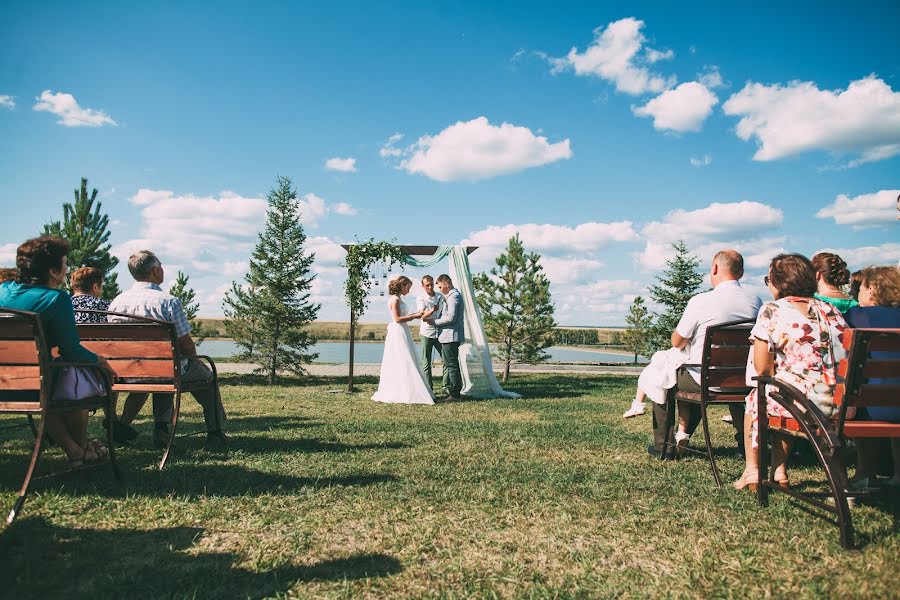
{"type": "Point", "coordinates": [335, 496]}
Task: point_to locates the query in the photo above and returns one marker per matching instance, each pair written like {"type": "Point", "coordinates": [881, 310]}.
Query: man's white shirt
{"type": "Point", "coordinates": [424, 302]}
{"type": "Point", "coordinates": [728, 301]}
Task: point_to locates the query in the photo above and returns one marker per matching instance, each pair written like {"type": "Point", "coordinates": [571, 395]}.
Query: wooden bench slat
{"type": "Point", "coordinates": [738, 336]}
{"type": "Point", "coordinates": [123, 331]}
{"type": "Point", "coordinates": [162, 388]}
{"type": "Point", "coordinates": [18, 352]}
{"type": "Point", "coordinates": [726, 379]}
{"type": "Point", "coordinates": [20, 378]}
{"type": "Point", "coordinates": [146, 368]}
{"type": "Point", "coordinates": [874, 394]}
{"type": "Point", "coordinates": [884, 343]}
{"type": "Point", "coordinates": [110, 349]}
{"type": "Point", "coordinates": [730, 355]}
{"type": "Point", "coordinates": [15, 328]}
{"type": "Point", "coordinates": [784, 423]}
{"type": "Point", "coordinates": [878, 429]}
{"type": "Point", "coordinates": [26, 406]}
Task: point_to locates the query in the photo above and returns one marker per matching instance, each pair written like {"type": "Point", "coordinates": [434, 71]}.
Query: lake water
{"type": "Point", "coordinates": [371, 352]}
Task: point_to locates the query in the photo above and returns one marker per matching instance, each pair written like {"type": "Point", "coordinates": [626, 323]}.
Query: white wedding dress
{"type": "Point", "coordinates": [401, 379]}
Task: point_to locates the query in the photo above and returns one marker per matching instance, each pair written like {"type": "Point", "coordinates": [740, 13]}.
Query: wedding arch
{"type": "Point", "coordinates": [477, 371]}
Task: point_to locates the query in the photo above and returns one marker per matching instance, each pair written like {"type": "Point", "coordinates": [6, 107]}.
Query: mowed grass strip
{"type": "Point", "coordinates": [333, 495]}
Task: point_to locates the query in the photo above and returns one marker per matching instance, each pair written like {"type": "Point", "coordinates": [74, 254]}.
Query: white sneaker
{"type": "Point", "coordinates": [637, 408]}
{"type": "Point", "coordinates": [681, 440]}
{"type": "Point", "coordinates": [727, 419]}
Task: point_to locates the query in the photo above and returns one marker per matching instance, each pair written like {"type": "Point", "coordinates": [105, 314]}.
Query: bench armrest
{"type": "Point", "coordinates": [212, 364]}
{"type": "Point", "coordinates": [791, 398]}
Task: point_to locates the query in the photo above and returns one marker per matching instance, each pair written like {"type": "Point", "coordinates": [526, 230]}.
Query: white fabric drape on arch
{"type": "Point", "coordinates": [475, 365]}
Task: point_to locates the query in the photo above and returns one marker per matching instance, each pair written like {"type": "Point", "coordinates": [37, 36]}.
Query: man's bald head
{"type": "Point", "coordinates": [728, 264]}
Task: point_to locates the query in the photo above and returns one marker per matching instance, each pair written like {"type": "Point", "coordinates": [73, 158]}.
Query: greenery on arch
{"type": "Point", "coordinates": [360, 257]}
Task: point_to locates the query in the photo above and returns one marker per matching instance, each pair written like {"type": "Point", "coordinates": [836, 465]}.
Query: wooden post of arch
{"type": "Point", "coordinates": [409, 251]}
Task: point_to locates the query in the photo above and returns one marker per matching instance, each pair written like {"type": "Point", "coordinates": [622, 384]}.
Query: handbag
{"type": "Point", "coordinates": [77, 383]}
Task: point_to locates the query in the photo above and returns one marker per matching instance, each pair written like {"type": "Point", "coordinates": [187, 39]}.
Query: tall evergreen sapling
{"type": "Point", "coordinates": [86, 229]}
{"type": "Point", "coordinates": [268, 316]}
{"type": "Point", "coordinates": [186, 294]}
{"type": "Point", "coordinates": [678, 283]}
{"type": "Point", "coordinates": [638, 322]}
{"type": "Point", "coordinates": [516, 305]}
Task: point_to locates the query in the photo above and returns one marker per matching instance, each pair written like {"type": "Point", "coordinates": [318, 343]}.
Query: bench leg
{"type": "Point", "coordinates": [34, 430]}
{"type": "Point", "coordinates": [111, 420]}
{"type": "Point", "coordinates": [667, 427]}
{"type": "Point", "coordinates": [836, 473]}
{"type": "Point", "coordinates": [175, 411]}
{"type": "Point", "coordinates": [762, 490]}
{"type": "Point", "coordinates": [709, 451]}
{"type": "Point", "coordinates": [35, 455]}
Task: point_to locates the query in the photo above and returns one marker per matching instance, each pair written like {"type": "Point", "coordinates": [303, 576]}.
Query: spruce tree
{"type": "Point", "coordinates": [187, 296]}
{"type": "Point", "coordinates": [85, 227]}
{"type": "Point", "coordinates": [268, 316]}
{"type": "Point", "coordinates": [677, 284]}
{"type": "Point", "coordinates": [635, 336]}
{"type": "Point", "coordinates": [516, 306]}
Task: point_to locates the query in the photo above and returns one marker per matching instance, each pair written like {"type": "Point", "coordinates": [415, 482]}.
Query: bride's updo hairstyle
{"type": "Point", "coordinates": [832, 268]}
{"type": "Point", "coordinates": [395, 286]}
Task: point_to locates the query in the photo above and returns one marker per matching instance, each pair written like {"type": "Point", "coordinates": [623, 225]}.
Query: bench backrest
{"type": "Point", "coordinates": [870, 373]}
{"type": "Point", "coordinates": [24, 360]}
{"type": "Point", "coordinates": [724, 366]}
{"type": "Point", "coordinates": [141, 350]}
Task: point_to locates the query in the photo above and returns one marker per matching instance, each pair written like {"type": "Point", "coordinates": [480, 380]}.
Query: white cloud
{"type": "Point", "coordinates": [615, 56]}
{"type": "Point", "coordinates": [681, 109]}
{"type": "Point", "coordinates": [707, 230]}
{"type": "Point", "coordinates": [70, 113]}
{"type": "Point", "coordinates": [711, 77]}
{"type": "Point", "coordinates": [195, 230]}
{"type": "Point", "coordinates": [701, 161]}
{"type": "Point", "coordinates": [864, 256]}
{"type": "Point", "coordinates": [342, 208]}
{"type": "Point", "coordinates": [314, 208]}
{"type": "Point", "coordinates": [473, 150]}
{"type": "Point", "coordinates": [798, 117]}
{"type": "Point", "coordinates": [586, 237]}
{"type": "Point", "coordinates": [570, 269]}
{"type": "Point", "coordinates": [342, 165]}
{"type": "Point", "coordinates": [7, 102]}
{"type": "Point", "coordinates": [235, 268]}
{"type": "Point", "coordinates": [389, 148]}
{"type": "Point", "coordinates": [866, 210]}
{"type": "Point", "coordinates": [8, 254]}
{"type": "Point", "coordinates": [327, 251]}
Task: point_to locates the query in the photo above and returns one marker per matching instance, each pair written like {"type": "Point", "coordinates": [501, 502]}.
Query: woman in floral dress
{"type": "Point", "coordinates": [798, 340]}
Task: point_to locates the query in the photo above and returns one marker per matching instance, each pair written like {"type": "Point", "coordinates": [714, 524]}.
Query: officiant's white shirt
{"type": "Point", "coordinates": [424, 302]}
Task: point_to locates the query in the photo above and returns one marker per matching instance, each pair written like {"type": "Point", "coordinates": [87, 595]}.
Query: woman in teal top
{"type": "Point", "coordinates": [831, 274]}
{"type": "Point", "coordinates": [41, 264]}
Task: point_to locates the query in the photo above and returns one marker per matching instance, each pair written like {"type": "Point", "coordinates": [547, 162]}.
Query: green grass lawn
{"type": "Point", "coordinates": [333, 495]}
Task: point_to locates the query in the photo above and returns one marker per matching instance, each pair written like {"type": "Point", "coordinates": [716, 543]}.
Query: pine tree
{"type": "Point", "coordinates": [85, 227]}
{"type": "Point", "coordinates": [677, 284]}
{"type": "Point", "coordinates": [186, 294]}
{"type": "Point", "coordinates": [516, 305]}
{"type": "Point", "coordinates": [268, 316]}
{"type": "Point", "coordinates": [635, 336]}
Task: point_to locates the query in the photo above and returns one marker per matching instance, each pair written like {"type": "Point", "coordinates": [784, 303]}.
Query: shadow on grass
{"type": "Point", "coordinates": [184, 479]}
{"type": "Point", "coordinates": [265, 445]}
{"type": "Point", "coordinates": [44, 560]}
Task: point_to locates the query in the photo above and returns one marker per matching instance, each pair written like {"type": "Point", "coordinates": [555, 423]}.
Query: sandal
{"type": "Point", "coordinates": [781, 477]}
{"type": "Point", "coordinates": [88, 457]}
{"type": "Point", "coordinates": [98, 448]}
{"type": "Point", "coordinates": [749, 479]}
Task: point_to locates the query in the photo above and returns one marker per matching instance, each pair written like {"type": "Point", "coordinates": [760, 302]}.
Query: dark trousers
{"type": "Point", "coordinates": [208, 398]}
{"type": "Point", "coordinates": [686, 383]}
{"type": "Point", "coordinates": [452, 376]}
{"type": "Point", "coordinates": [429, 345]}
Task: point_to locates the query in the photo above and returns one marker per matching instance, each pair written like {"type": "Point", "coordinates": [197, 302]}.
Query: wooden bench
{"type": "Point", "coordinates": [144, 354]}
{"type": "Point", "coordinates": [27, 376]}
{"type": "Point", "coordinates": [829, 436]}
{"type": "Point", "coordinates": [723, 370]}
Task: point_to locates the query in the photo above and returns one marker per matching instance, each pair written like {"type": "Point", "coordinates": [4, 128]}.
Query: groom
{"type": "Point", "coordinates": [449, 324]}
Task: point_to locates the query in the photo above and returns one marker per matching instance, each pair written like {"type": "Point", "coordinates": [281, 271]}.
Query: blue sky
{"type": "Point", "coordinates": [601, 132]}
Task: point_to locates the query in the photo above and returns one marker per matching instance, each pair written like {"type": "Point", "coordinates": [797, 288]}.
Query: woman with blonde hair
{"type": "Point", "coordinates": [879, 307]}
{"type": "Point", "coordinates": [401, 381]}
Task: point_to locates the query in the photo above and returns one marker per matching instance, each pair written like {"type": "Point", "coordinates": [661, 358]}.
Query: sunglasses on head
{"type": "Point", "coordinates": [766, 279]}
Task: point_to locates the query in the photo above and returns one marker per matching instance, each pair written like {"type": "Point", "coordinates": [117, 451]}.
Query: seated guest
{"type": "Point", "coordinates": [87, 287]}
{"type": "Point", "coordinates": [797, 339]}
{"type": "Point", "coordinates": [42, 269]}
{"type": "Point", "coordinates": [831, 274]}
{"type": "Point", "coordinates": [146, 299]}
{"type": "Point", "coordinates": [727, 301]}
{"type": "Point", "coordinates": [879, 307]}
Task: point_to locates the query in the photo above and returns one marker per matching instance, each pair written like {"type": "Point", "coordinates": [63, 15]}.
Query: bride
{"type": "Point", "coordinates": [401, 379]}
